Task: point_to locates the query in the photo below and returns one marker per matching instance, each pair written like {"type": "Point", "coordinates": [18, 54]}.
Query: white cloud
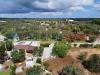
{"type": "Point", "coordinates": [88, 2]}
{"type": "Point", "coordinates": [77, 8]}
{"type": "Point", "coordinates": [39, 4]}
{"type": "Point", "coordinates": [97, 6]}
{"type": "Point", "coordinates": [61, 4]}
{"type": "Point", "coordinates": [52, 4]}
{"type": "Point", "coordinates": [33, 15]}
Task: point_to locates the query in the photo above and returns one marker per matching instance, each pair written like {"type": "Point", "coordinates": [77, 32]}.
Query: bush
{"type": "Point", "coordinates": [46, 65]}
{"type": "Point", "coordinates": [39, 60]}
{"type": "Point", "coordinates": [75, 45]}
{"type": "Point", "coordinates": [71, 70]}
{"type": "Point", "coordinates": [9, 45]}
{"type": "Point", "coordinates": [93, 63]}
{"type": "Point", "coordinates": [45, 44]}
{"type": "Point", "coordinates": [82, 56]}
{"type": "Point", "coordinates": [2, 52]}
{"type": "Point", "coordinates": [60, 49]}
{"type": "Point", "coordinates": [37, 51]}
{"type": "Point", "coordinates": [18, 56]}
{"type": "Point", "coordinates": [36, 70]}
{"type": "Point", "coordinates": [86, 45]}
{"type": "Point", "coordinates": [97, 46]}
{"type": "Point", "coordinates": [13, 69]}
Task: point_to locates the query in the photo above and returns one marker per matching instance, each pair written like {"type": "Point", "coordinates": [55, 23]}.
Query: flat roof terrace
{"type": "Point", "coordinates": [28, 45]}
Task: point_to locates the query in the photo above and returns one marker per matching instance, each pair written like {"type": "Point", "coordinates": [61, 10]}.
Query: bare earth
{"type": "Point", "coordinates": [57, 64]}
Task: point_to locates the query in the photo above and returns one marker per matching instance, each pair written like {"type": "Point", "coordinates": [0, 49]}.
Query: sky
{"type": "Point", "coordinates": [50, 8]}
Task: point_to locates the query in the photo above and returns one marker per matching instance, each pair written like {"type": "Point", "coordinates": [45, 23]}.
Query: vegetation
{"type": "Point", "coordinates": [5, 72]}
{"type": "Point", "coordinates": [9, 45]}
{"type": "Point", "coordinates": [33, 29]}
{"type": "Point", "coordinates": [93, 63]}
{"type": "Point", "coordinates": [82, 56]}
{"type": "Point", "coordinates": [13, 69]}
{"type": "Point", "coordinates": [18, 56]}
{"type": "Point", "coordinates": [37, 51]}
{"type": "Point", "coordinates": [71, 70]}
{"type": "Point", "coordinates": [96, 21]}
{"type": "Point", "coordinates": [39, 60]}
{"type": "Point", "coordinates": [86, 45]}
{"type": "Point", "coordinates": [36, 70]}
{"type": "Point", "coordinates": [45, 64]}
{"type": "Point", "coordinates": [51, 30]}
{"type": "Point", "coordinates": [2, 52]}
{"type": "Point", "coordinates": [91, 39]}
{"type": "Point", "coordinates": [97, 46]}
{"type": "Point", "coordinates": [60, 49]}
{"type": "Point", "coordinates": [45, 44]}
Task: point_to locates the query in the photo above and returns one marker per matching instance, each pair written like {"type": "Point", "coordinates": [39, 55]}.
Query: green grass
{"type": "Point", "coordinates": [5, 72]}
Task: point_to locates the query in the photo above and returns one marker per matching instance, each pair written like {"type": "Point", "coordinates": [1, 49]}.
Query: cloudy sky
{"type": "Point", "coordinates": [50, 8]}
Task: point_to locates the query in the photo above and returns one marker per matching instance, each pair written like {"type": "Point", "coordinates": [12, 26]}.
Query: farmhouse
{"type": "Point", "coordinates": [27, 45]}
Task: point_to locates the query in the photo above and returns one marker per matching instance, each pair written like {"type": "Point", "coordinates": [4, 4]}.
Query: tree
{"type": "Point", "coordinates": [18, 56]}
{"type": "Point", "coordinates": [93, 63]}
{"type": "Point", "coordinates": [22, 54]}
{"type": "Point", "coordinates": [60, 49]}
{"type": "Point", "coordinates": [37, 51]}
{"type": "Point", "coordinates": [9, 45]}
{"type": "Point", "coordinates": [96, 21]}
{"type": "Point", "coordinates": [13, 68]}
{"type": "Point", "coordinates": [71, 70]}
{"type": "Point", "coordinates": [36, 70]}
{"type": "Point", "coordinates": [2, 52]}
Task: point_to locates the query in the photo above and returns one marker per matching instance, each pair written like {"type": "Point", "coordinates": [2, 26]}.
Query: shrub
{"type": "Point", "coordinates": [45, 44]}
{"type": "Point", "coordinates": [39, 60]}
{"type": "Point", "coordinates": [36, 70]}
{"type": "Point", "coordinates": [13, 68]}
{"type": "Point", "coordinates": [46, 65]}
{"type": "Point", "coordinates": [18, 56]}
{"type": "Point", "coordinates": [75, 45]}
{"type": "Point", "coordinates": [71, 70]}
{"type": "Point", "coordinates": [82, 56]}
{"type": "Point", "coordinates": [93, 63]}
{"type": "Point", "coordinates": [37, 51]}
{"type": "Point", "coordinates": [60, 49]}
{"type": "Point", "coordinates": [97, 46]}
{"type": "Point", "coordinates": [86, 45]}
{"type": "Point", "coordinates": [9, 45]}
{"type": "Point", "coordinates": [2, 52]}
{"type": "Point", "coordinates": [48, 74]}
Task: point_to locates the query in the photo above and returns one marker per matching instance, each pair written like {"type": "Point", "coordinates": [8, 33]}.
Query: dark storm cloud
{"type": "Point", "coordinates": [21, 6]}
